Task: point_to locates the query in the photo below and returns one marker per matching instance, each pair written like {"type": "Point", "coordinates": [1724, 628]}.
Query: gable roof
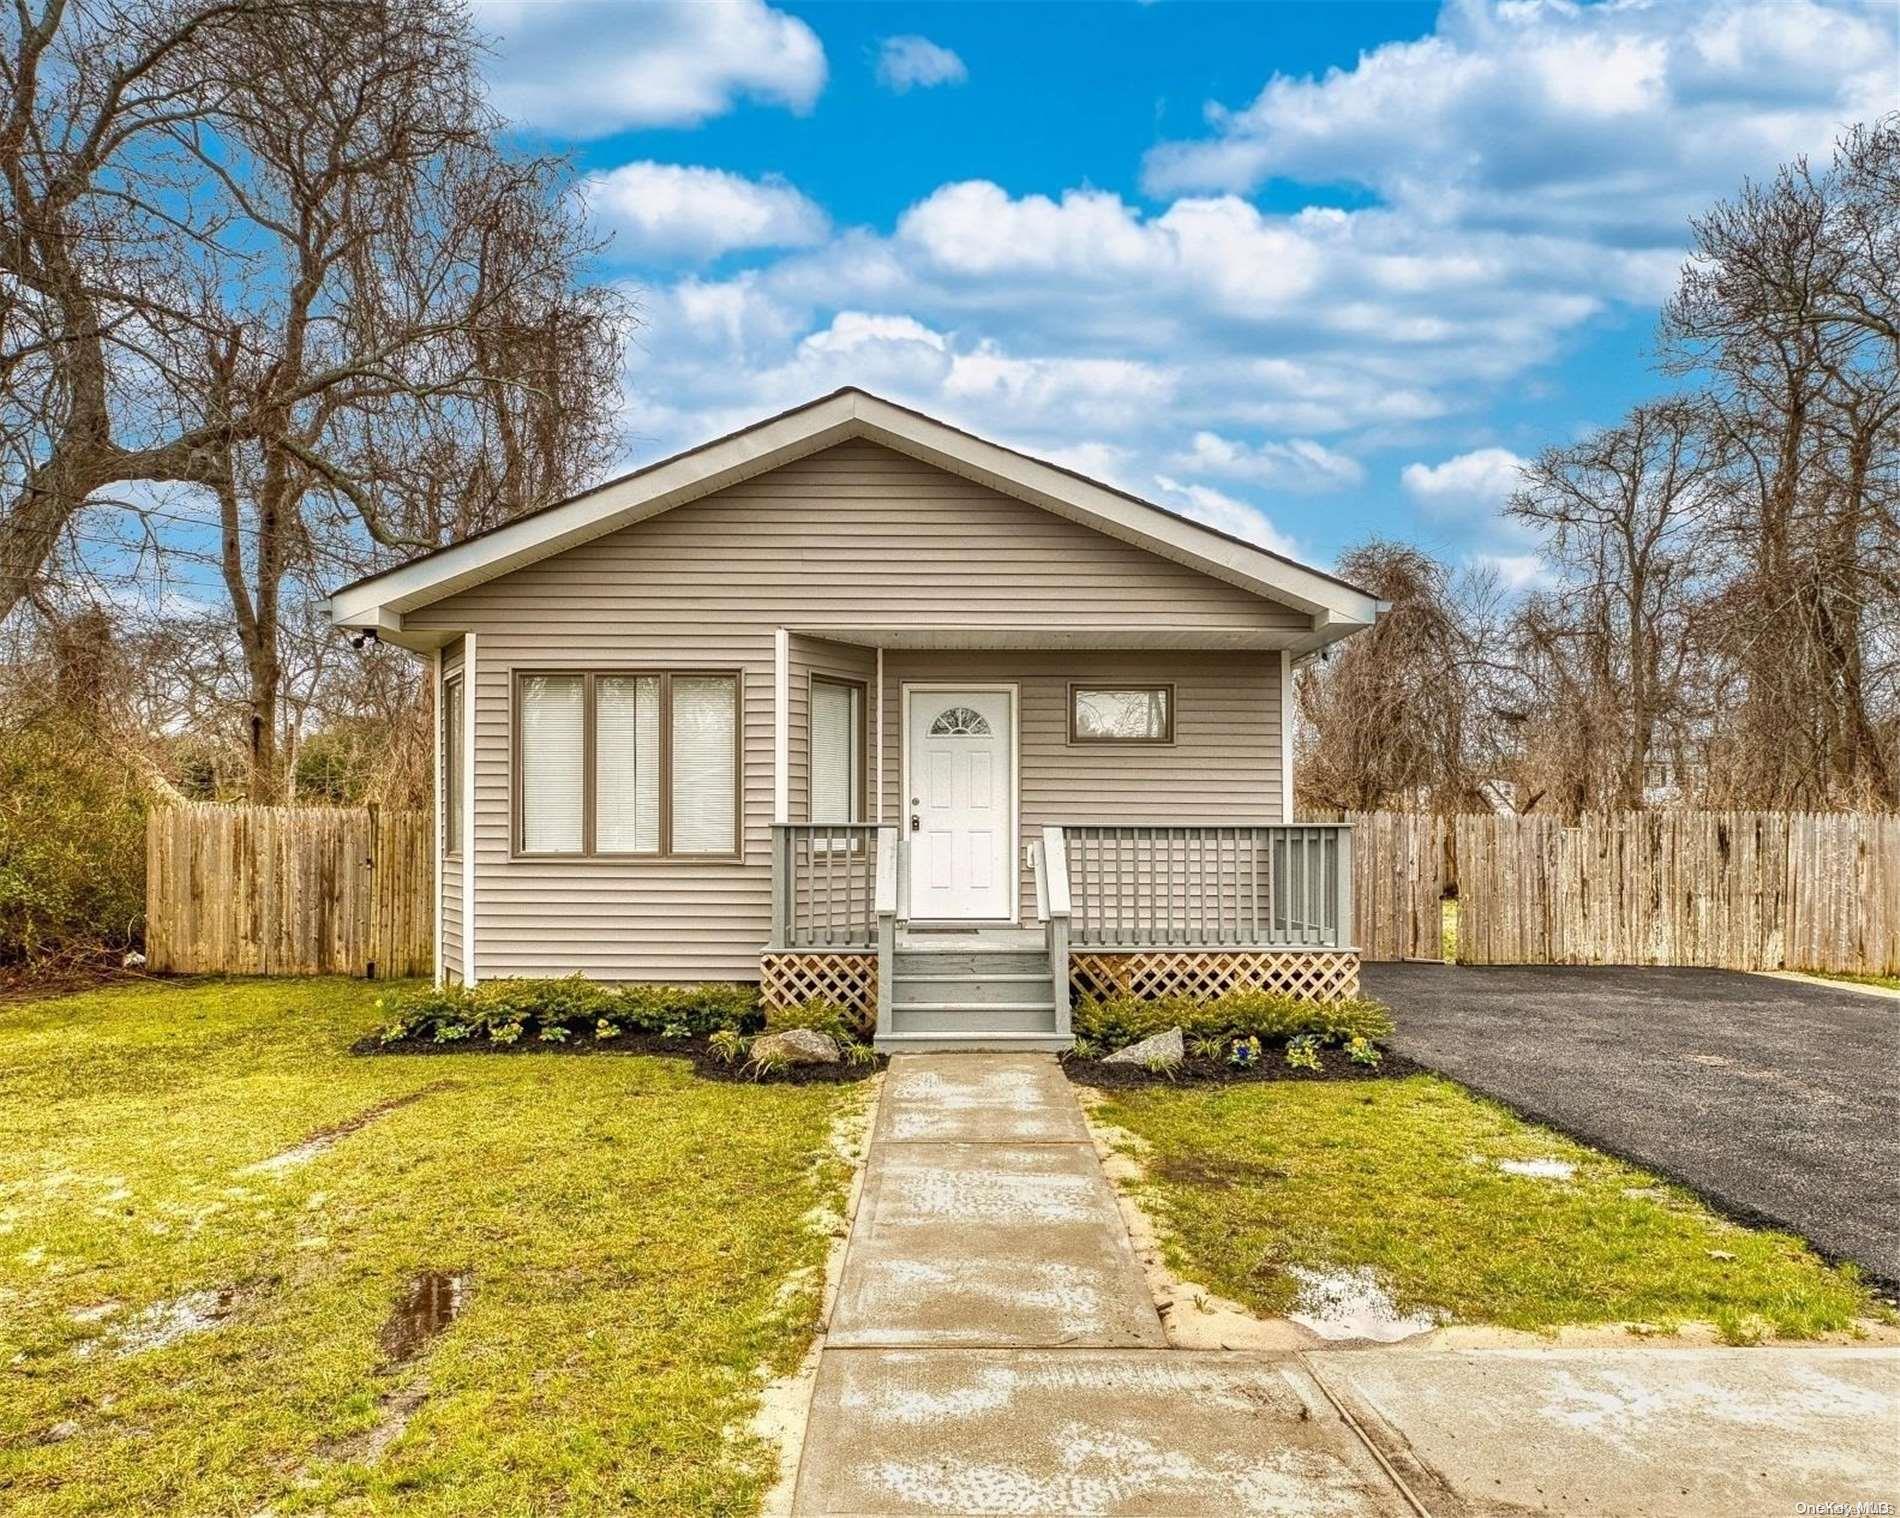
{"type": "Point", "coordinates": [378, 601]}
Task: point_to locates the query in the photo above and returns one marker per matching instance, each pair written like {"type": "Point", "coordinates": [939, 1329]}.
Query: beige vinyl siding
{"type": "Point", "coordinates": [1223, 766]}
{"type": "Point", "coordinates": [451, 879]}
{"type": "Point", "coordinates": [854, 535]}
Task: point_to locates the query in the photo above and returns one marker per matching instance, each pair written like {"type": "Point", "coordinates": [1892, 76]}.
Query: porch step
{"type": "Point", "coordinates": [933, 962]}
{"type": "Point", "coordinates": [936, 986]}
{"type": "Point", "coordinates": [933, 1043]}
{"type": "Point", "coordinates": [975, 1017]}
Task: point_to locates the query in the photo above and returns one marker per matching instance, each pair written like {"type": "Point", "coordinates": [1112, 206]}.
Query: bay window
{"type": "Point", "coordinates": [628, 763]}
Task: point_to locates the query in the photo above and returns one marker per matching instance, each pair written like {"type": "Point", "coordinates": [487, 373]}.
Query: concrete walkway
{"type": "Point", "coordinates": [993, 1348]}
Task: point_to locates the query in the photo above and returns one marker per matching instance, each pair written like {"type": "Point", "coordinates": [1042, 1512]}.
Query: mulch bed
{"type": "Point", "coordinates": [705, 1065]}
{"type": "Point", "coordinates": [1196, 1071]}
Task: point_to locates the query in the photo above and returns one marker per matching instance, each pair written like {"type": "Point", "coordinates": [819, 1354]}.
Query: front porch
{"type": "Point", "coordinates": [1149, 909]}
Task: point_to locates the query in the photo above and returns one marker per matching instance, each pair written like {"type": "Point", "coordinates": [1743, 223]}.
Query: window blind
{"type": "Point", "coordinates": [553, 771]}
{"type": "Point", "coordinates": [627, 764]}
{"type": "Point", "coordinates": [835, 725]}
{"type": "Point", "coordinates": [704, 736]}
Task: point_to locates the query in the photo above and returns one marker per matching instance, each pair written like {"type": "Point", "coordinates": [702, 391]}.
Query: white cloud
{"type": "Point", "coordinates": [1516, 572]}
{"type": "Point", "coordinates": [1469, 484]}
{"type": "Point", "coordinates": [1296, 464]}
{"type": "Point", "coordinates": [1223, 513]}
{"type": "Point", "coordinates": [680, 211]}
{"type": "Point", "coordinates": [905, 63]}
{"type": "Point", "coordinates": [587, 68]}
{"type": "Point", "coordinates": [1610, 119]}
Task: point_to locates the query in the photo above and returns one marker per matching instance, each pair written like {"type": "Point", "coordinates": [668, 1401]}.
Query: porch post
{"type": "Point", "coordinates": [781, 884]}
{"type": "Point", "coordinates": [1345, 933]}
{"type": "Point", "coordinates": [441, 795]}
{"type": "Point", "coordinates": [1055, 854]}
{"type": "Point", "coordinates": [782, 725]}
{"type": "Point", "coordinates": [1286, 735]}
{"type": "Point", "coordinates": [886, 902]}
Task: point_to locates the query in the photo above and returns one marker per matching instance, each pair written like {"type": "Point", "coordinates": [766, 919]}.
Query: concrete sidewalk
{"type": "Point", "coordinates": [993, 1348]}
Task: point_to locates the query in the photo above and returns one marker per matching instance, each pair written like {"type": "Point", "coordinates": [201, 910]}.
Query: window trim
{"type": "Point", "coordinates": [454, 765]}
{"type": "Point", "coordinates": [1083, 740]}
{"type": "Point", "coordinates": [812, 680]}
{"type": "Point", "coordinates": [589, 797]}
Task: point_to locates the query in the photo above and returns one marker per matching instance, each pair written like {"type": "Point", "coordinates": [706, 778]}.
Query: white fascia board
{"type": "Point", "coordinates": [620, 504]}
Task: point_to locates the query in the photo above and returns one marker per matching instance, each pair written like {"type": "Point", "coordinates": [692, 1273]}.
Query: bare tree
{"type": "Point", "coordinates": [1790, 309]}
{"type": "Point", "coordinates": [1625, 515]}
{"type": "Point", "coordinates": [1397, 716]}
{"type": "Point", "coordinates": [359, 322]}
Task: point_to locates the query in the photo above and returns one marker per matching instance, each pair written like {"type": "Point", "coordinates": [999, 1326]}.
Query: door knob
{"type": "Point", "coordinates": [916, 822]}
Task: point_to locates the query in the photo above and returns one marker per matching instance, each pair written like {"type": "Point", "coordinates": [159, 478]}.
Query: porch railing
{"type": "Point", "coordinates": [1141, 886]}
{"type": "Point", "coordinates": [825, 880]}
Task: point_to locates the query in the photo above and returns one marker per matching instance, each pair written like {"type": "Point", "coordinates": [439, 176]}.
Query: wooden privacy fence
{"type": "Point", "coordinates": [267, 890]}
{"type": "Point", "coordinates": [1732, 890]}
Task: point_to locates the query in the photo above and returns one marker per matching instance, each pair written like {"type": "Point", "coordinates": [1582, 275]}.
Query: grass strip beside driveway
{"type": "Point", "coordinates": [627, 1234]}
{"type": "Point", "coordinates": [1402, 1177]}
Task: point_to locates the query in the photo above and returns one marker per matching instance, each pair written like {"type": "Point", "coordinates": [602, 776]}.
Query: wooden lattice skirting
{"type": "Point", "coordinates": [1311, 974]}
{"type": "Point", "coordinates": [796, 976]}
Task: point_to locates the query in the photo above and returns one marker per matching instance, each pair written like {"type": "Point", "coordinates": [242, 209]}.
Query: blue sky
{"type": "Point", "coordinates": [1307, 271]}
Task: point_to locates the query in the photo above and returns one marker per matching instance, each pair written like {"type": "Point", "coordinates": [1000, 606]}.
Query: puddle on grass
{"type": "Point", "coordinates": [163, 1323]}
{"type": "Point", "coordinates": [431, 1301]}
{"type": "Point", "coordinates": [1351, 1304]}
{"type": "Point", "coordinates": [326, 1139]}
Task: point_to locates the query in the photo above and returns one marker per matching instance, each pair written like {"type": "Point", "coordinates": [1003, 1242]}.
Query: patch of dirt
{"type": "Point", "coordinates": [1218, 1173]}
{"type": "Point", "coordinates": [706, 1065]}
{"type": "Point", "coordinates": [19, 984]}
{"type": "Point", "coordinates": [161, 1324]}
{"type": "Point", "coordinates": [324, 1139]}
{"type": "Point", "coordinates": [1195, 1070]}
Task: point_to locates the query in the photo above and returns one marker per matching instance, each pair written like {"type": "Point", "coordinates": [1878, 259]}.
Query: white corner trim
{"type": "Point", "coordinates": [1286, 735]}
{"type": "Point", "coordinates": [469, 674]}
{"type": "Point", "coordinates": [435, 761]}
{"type": "Point", "coordinates": [782, 725]}
{"type": "Point", "coordinates": [877, 743]}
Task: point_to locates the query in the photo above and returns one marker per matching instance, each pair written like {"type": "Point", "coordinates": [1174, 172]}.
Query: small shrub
{"type": "Point", "coordinates": [820, 1014]}
{"type": "Point", "coordinates": [1085, 1048]}
{"type": "Point", "coordinates": [1124, 1020]}
{"type": "Point", "coordinates": [554, 1034]}
{"type": "Point", "coordinates": [451, 1033]}
{"type": "Point", "coordinates": [762, 1065]}
{"type": "Point", "coordinates": [1363, 1051]}
{"type": "Point", "coordinates": [859, 1055]}
{"type": "Point", "coordinates": [1244, 1053]}
{"type": "Point", "coordinates": [727, 1046]}
{"type": "Point", "coordinates": [1208, 1047]}
{"type": "Point", "coordinates": [576, 1006]}
{"type": "Point", "coordinates": [1302, 1053]}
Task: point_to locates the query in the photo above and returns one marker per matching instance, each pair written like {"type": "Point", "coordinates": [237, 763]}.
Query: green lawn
{"type": "Point", "coordinates": [1401, 1176]}
{"type": "Point", "coordinates": [627, 1231]}
{"type": "Point", "coordinates": [1885, 982]}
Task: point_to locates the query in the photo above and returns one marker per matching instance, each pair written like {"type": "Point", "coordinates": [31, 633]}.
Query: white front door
{"type": "Point", "coordinates": [962, 806]}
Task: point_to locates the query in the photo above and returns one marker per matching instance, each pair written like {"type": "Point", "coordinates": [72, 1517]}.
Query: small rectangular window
{"type": "Point", "coordinates": [837, 750]}
{"type": "Point", "coordinates": [453, 716]}
{"type": "Point", "coordinates": [1121, 714]}
{"type": "Point", "coordinates": [627, 764]}
{"type": "Point", "coordinates": [705, 755]}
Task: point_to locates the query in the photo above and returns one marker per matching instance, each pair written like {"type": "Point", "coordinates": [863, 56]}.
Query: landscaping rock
{"type": "Point", "coordinates": [1162, 1049]}
{"type": "Point", "coordinates": [797, 1046]}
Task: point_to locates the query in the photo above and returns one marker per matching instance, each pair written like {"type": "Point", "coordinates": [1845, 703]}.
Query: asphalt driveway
{"type": "Point", "coordinates": [1778, 1100]}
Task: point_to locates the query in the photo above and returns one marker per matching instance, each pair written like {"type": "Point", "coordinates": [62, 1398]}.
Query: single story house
{"type": "Point", "coordinates": [854, 703]}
